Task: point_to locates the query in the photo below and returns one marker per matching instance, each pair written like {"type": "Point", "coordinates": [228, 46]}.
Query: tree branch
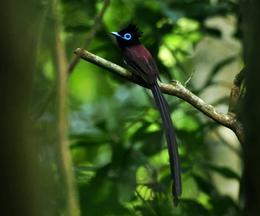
{"type": "Point", "coordinates": [91, 34]}
{"type": "Point", "coordinates": [74, 61]}
{"type": "Point", "coordinates": [175, 88]}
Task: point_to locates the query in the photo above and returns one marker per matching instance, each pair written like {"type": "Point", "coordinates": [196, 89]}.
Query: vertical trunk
{"type": "Point", "coordinates": [251, 32]}
{"type": "Point", "coordinates": [62, 119]}
{"type": "Point", "coordinates": [28, 186]}
{"type": "Point", "coordinates": [21, 174]}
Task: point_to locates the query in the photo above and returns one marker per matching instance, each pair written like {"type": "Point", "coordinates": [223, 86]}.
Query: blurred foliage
{"type": "Point", "coordinates": [118, 148]}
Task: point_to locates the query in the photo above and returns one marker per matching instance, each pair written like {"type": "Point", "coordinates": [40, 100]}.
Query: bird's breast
{"type": "Point", "coordinates": [139, 51]}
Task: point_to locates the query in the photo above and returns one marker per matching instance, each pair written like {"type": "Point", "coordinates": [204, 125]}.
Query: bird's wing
{"type": "Point", "coordinates": [141, 62]}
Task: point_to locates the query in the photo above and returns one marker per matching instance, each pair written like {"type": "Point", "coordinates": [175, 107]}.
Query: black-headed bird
{"type": "Point", "coordinates": [142, 64]}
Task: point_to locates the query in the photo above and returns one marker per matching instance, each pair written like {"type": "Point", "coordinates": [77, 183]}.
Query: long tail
{"type": "Point", "coordinates": [171, 141]}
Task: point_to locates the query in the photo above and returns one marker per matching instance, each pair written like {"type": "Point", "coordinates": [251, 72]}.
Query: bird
{"type": "Point", "coordinates": [143, 66]}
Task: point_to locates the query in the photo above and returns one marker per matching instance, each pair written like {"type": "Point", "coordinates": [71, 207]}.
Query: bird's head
{"type": "Point", "coordinates": [128, 36]}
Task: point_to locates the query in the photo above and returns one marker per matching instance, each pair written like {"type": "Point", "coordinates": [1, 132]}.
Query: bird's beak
{"type": "Point", "coordinates": [116, 34]}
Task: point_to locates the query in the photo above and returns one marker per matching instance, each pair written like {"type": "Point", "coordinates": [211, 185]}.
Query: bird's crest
{"type": "Point", "coordinates": [132, 29]}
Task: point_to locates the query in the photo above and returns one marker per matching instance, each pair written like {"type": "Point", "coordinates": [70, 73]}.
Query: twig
{"type": "Point", "coordinates": [74, 61]}
{"type": "Point", "coordinates": [176, 89]}
{"type": "Point", "coordinates": [91, 34]}
{"type": "Point", "coordinates": [235, 92]}
{"type": "Point", "coordinates": [148, 205]}
{"type": "Point", "coordinates": [188, 80]}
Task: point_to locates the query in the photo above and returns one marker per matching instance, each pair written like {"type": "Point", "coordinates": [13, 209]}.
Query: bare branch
{"type": "Point", "coordinates": [176, 89]}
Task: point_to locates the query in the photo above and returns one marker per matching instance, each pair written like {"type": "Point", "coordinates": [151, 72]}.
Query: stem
{"type": "Point", "coordinates": [62, 121]}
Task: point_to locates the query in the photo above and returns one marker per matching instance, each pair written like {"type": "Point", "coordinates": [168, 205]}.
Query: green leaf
{"type": "Point", "coordinates": [224, 171]}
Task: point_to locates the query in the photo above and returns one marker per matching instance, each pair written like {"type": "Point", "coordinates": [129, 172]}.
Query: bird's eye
{"type": "Point", "coordinates": [127, 36]}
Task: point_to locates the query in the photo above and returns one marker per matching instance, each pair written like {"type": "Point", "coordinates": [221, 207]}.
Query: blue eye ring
{"type": "Point", "coordinates": [127, 36]}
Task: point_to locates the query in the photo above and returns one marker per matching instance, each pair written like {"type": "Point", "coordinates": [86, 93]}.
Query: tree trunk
{"type": "Point", "coordinates": [251, 33]}
{"type": "Point", "coordinates": [21, 188]}
{"type": "Point", "coordinates": [35, 168]}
